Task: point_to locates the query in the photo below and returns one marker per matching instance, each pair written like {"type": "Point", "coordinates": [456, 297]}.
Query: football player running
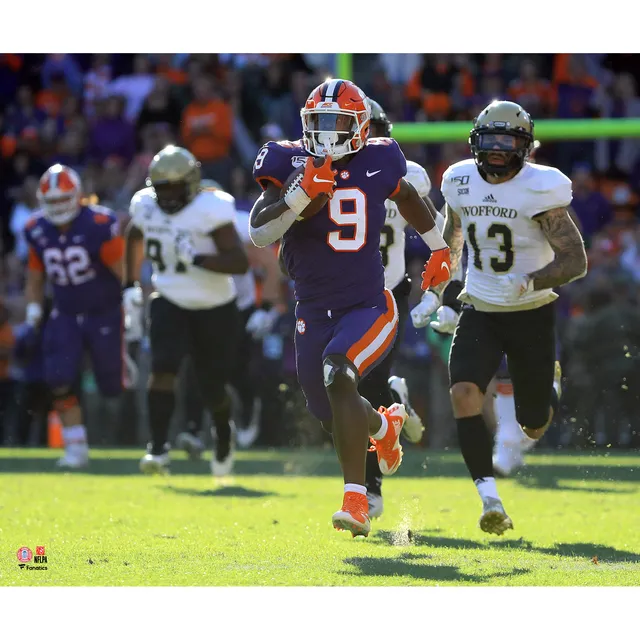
{"type": "Point", "coordinates": [346, 319]}
{"type": "Point", "coordinates": [523, 243]}
{"type": "Point", "coordinates": [188, 234]}
{"type": "Point", "coordinates": [379, 387]}
{"type": "Point", "coordinates": [78, 250]}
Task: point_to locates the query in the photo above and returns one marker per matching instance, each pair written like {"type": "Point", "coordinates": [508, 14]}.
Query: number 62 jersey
{"type": "Point", "coordinates": [501, 231]}
{"type": "Point", "coordinates": [187, 286]}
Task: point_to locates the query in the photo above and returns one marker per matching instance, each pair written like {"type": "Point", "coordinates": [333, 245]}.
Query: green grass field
{"type": "Point", "coordinates": [271, 525]}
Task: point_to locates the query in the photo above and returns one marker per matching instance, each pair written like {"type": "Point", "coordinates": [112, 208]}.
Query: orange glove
{"type": "Point", "coordinates": [318, 180]}
{"type": "Point", "coordinates": [437, 269]}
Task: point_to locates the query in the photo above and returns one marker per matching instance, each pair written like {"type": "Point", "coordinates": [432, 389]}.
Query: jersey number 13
{"type": "Point", "coordinates": [499, 265]}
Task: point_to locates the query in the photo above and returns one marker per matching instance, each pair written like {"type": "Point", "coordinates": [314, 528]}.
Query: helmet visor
{"type": "Point", "coordinates": [500, 142]}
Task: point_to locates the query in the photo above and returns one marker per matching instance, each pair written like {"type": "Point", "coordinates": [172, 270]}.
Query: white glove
{"type": "Point", "coordinates": [132, 305]}
{"type": "Point", "coordinates": [261, 322]}
{"type": "Point", "coordinates": [34, 314]}
{"type": "Point", "coordinates": [421, 313]}
{"type": "Point", "coordinates": [185, 249]}
{"type": "Point", "coordinates": [515, 285]}
{"type": "Point", "coordinates": [446, 320]}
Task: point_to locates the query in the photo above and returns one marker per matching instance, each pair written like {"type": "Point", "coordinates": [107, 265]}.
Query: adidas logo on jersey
{"type": "Point", "coordinates": [489, 198]}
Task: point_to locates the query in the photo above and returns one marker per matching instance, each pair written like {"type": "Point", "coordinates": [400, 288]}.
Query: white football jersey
{"type": "Point", "coordinates": [392, 235]}
{"type": "Point", "coordinates": [188, 287]}
{"type": "Point", "coordinates": [245, 282]}
{"type": "Point", "coordinates": [500, 229]}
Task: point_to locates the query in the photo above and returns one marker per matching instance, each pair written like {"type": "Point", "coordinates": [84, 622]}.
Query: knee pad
{"type": "Point", "coordinates": [332, 367]}
{"type": "Point", "coordinates": [63, 400]}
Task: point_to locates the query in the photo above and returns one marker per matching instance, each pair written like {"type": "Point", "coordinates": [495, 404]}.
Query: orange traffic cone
{"type": "Point", "coordinates": [54, 431]}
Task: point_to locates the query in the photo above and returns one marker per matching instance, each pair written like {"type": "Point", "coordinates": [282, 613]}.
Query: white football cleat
{"type": "Point", "coordinates": [155, 465]}
{"type": "Point", "coordinates": [494, 518]}
{"type": "Point", "coordinates": [376, 506]}
{"type": "Point", "coordinates": [191, 444]}
{"type": "Point", "coordinates": [224, 467]}
{"type": "Point", "coordinates": [76, 456]}
{"type": "Point", "coordinates": [247, 434]}
{"type": "Point", "coordinates": [413, 427]}
{"type": "Point", "coordinates": [508, 457]}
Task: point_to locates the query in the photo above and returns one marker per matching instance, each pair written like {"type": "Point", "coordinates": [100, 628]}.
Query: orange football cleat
{"type": "Point", "coordinates": [389, 449]}
{"type": "Point", "coordinates": [354, 515]}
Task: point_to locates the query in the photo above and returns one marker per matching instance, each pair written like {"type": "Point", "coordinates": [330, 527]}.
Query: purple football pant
{"type": "Point", "coordinates": [66, 337]}
{"type": "Point", "coordinates": [364, 334]}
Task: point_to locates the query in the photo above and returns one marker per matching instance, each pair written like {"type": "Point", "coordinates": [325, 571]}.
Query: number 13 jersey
{"type": "Point", "coordinates": [186, 286]}
{"type": "Point", "coordinates": [501, 231]}
{"type": "Point", "coordinates": [334, 257]}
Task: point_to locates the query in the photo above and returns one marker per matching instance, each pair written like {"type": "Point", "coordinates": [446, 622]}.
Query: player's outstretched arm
{"type": "Point", "coordinates": [133, 255]}
{"type": "Point", "coordinates": [454, 238]}
{"type": "Point", "coordinates": [270, 217]}
{"type": "Point", "coordinates": [231, 257]}
{"type": "Point", "coordinates": [570, 262]}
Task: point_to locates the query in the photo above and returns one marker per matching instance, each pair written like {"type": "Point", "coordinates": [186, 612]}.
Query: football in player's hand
{"type": "Point", "coordinates": [318, 202]}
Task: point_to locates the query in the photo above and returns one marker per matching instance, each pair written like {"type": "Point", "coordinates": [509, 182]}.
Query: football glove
{"type": "Point", "coordinates": [421, 313]}
{"type": "Point", "coordinates": [261, 322]}
{"type": "Point", "coordinates": [515, 286]}
{"type": "Point", "coordinates": [132, 305]}
{"type": "Point", "coordinates": [437, 269]}
{"type": "Point", "coordinates": [34, 314]}
{"type": "Point", "coordinates": [446, 320]}
{"type": "Point", "coordinates": [185, 249]}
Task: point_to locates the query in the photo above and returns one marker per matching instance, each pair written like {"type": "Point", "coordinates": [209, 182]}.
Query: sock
{"type": "Point", "coordinates": [373, 474]}
{"type": "Point", "coordinates": [221, 414]}
{"type": "Point", "coordinates": [356, 488]}
{"type": "Point", "coordinates": [476, 447]}
{"type": "Point", "coordinates": [487, 488]}
{"type": "Point", "coordinates": [161, 405]}
{"type": "Point", "coordinates": [382, 432]}
{"type": "Point", "coordinates": [74, 435]}
{"type": "Point", "coordinates": [508, 428]}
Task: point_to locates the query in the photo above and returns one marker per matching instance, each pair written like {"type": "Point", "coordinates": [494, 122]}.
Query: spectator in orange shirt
{"type": "Point", "coordinates": [207, 130]}
{"type": "Point", "coordinates": [531, 91]}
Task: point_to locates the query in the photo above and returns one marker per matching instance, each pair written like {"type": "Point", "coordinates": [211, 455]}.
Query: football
{"type": "Point", "coordinates": [317, 203]}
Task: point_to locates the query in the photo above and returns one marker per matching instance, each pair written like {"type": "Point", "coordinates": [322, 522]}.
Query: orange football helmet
{"type": "Point", "coordinates": [59, 194]}
{"type": "Point", "coordinates": [335, 119]}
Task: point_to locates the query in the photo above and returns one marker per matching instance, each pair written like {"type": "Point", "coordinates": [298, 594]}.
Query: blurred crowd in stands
{"type": "Point", "coordinates": [107, 115]}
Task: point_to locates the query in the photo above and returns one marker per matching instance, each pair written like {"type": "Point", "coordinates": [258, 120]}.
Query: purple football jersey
{"type": "Point", "coordinates": [73, 261]}
{"type": "Point", "coordinates": [334, 257]}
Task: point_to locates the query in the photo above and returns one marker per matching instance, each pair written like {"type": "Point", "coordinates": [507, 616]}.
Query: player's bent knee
{"type": "Point", "coordinates": [339, 373]}
{"type": "Point", "coordinates": [467, 399]}
{"type": "Point", "coordinates": [64, 399]}
{"type": "Point", "coordinates": [534, 418]}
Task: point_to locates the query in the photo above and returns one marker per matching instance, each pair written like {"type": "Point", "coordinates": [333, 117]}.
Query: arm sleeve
{"type": "Point", "coordinates": [273, 164]}
{"type": "Point", "coordinates": [396, 166]}
{"type": "Point", "coordinates": [554, 192]}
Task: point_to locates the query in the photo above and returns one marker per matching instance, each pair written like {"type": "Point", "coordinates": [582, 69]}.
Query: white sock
{"type": "Point", "coordinates": [356, 488]}
{"type": "Point", "coordinates": [487, 488]}
{"type": "Point", "coordinates": [74, 435]}
{"type": "Point", "coordinates": [508, 430]}
{"type": "Point", "coordinates": [382, 432]}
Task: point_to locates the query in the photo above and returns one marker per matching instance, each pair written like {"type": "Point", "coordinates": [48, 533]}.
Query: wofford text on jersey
{"type": "Point", "coordinates": [496, 212]}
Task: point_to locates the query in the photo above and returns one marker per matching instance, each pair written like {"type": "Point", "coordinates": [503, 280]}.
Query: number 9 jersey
{"type": "Point", "coordinates": [334, 257]}
{"type": "Point", "coordinates": [187, 286]}
{"type": "Point", "coordinates": [500, 228]}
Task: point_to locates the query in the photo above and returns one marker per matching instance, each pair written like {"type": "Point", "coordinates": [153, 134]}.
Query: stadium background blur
{"type": "Point", "coordinates": [107, 115]}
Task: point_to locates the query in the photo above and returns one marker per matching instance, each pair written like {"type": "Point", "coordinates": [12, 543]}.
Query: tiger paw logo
{"type": "Point", "coordinates": [25, 556]}
{"type": "Point", "coordinates": [344, 175]}
{"type": "Point", "coordinates": [301, 326]}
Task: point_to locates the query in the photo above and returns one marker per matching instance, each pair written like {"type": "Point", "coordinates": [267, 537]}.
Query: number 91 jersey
{"type": "Point", "coordinates": [187, 286]}
{"type": "Point", "coordinates": [500, 228]}
{"type": "Point", "coordinates": [334, 257]}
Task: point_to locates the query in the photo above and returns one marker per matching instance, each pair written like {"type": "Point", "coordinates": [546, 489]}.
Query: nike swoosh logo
{"type": "Point", "coordinates": [446, 266]}
{"type": "Point", "coordinates": [316, 179]}
{"type": "Point", "coordinates": [373, 173]}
